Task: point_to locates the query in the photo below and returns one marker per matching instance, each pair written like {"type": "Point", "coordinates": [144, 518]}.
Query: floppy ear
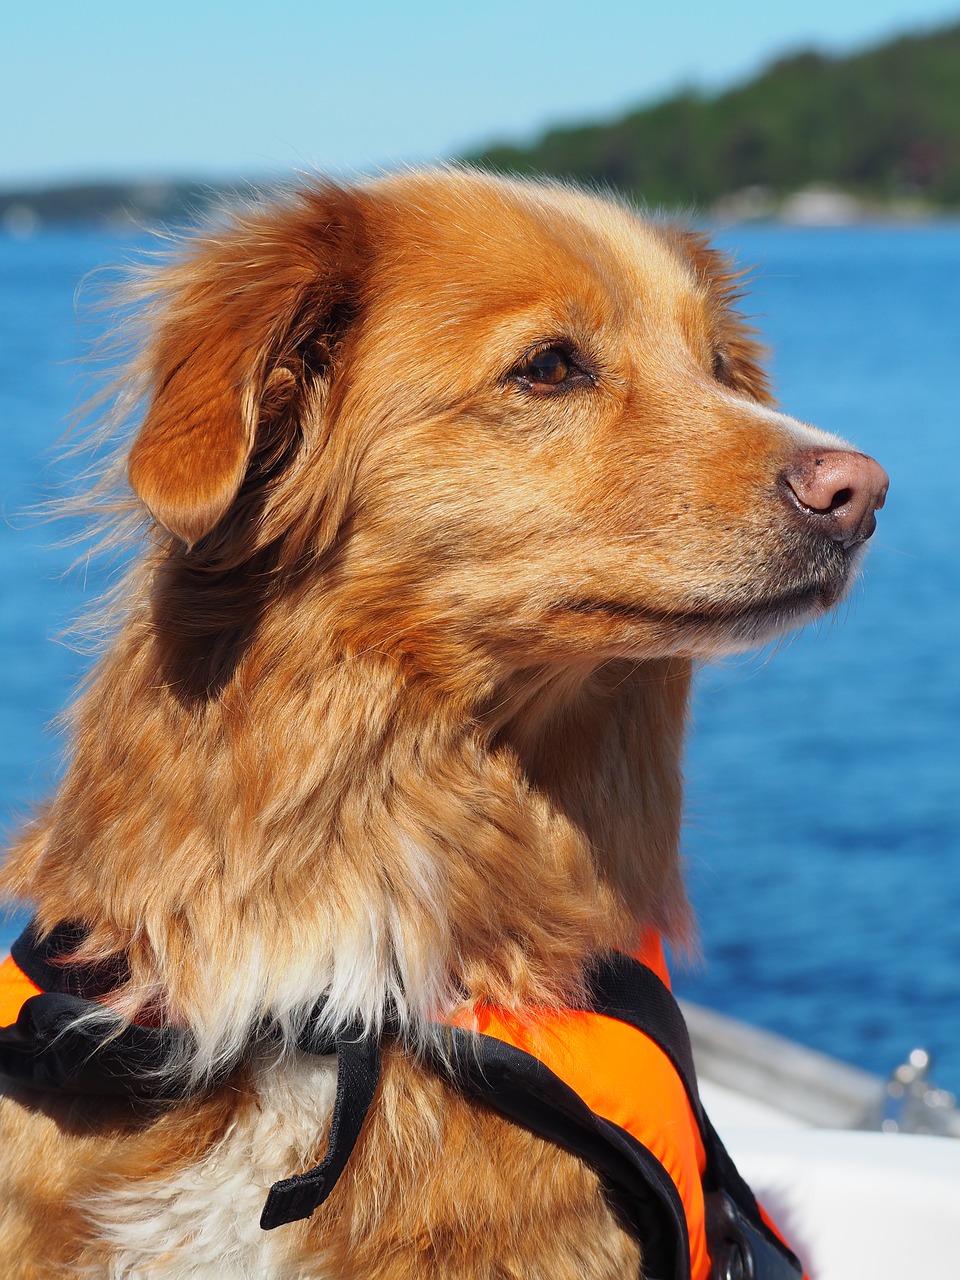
{"type": "Point", "coordinates": [236, 317]}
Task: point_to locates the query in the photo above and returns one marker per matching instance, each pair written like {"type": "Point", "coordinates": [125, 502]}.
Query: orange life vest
{"type": "Point", "coordinates": [612, 1081]}
{"type": "Point", "coordinates": [620, 1069]}
{"type": "Point", "coordinates": [602, 1059]}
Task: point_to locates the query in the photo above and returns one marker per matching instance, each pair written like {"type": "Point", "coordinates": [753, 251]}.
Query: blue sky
{"type": "Point", "coordinates": [105, 89]}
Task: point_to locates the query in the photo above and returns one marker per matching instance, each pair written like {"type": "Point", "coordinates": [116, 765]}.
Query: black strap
{"type": "Point", "coordinates": [46, 960]}
{"type": "Point", "coordinates": [65, 1041]}
{"type": "Point", "coordinates": [67, 1045]}
{"type": "Point", "coordinates": [623, 988]}
{"type": "Point", "coordinates": [358, 1074]}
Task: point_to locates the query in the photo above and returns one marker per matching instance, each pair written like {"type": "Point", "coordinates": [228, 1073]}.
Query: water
{"type": "Point", "coordinates": [824, 822]}
{"type": "Point", "coordinates": [823, 834]}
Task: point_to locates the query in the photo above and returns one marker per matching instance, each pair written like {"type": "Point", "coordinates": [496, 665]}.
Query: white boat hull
{"type": "Point", "coordinates": [858, 1206]}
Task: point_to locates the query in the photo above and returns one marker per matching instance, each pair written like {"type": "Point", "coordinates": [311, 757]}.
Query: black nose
{"type": "Point", "coordinates": [837, 489]}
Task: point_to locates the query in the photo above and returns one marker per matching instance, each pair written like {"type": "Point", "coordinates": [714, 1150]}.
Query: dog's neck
{"type": "Point", "coordinates": [332, 828]}
{"type": "Point", "coordinates": [603, 749]}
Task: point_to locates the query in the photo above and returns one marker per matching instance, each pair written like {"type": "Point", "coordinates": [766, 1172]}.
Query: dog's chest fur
{"type": "Point", "coordinates": [204, 1222]}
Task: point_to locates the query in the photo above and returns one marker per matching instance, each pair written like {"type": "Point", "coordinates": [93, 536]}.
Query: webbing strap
{"type": "Point", "coordinates": [43, 959]}
{"type": "Point", "coordinates": [623, 988]}
{"type": "Point", "coordinates": [63, 1044]}
{"type": "Point", "coordinates": [358, 1074]}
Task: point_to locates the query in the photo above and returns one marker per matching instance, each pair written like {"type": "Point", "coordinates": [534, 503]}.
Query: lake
{"type": "Point", "coordinates": [823, 829]}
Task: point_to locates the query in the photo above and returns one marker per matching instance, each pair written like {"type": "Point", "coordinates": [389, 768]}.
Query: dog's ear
{"type": "Point", "coordinates": [741, 357]}
{"type": "Point", "coordinates": [243, 319]}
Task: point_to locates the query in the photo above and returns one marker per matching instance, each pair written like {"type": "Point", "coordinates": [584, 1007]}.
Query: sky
{"type": "Point", "coordinates": [113, 88]}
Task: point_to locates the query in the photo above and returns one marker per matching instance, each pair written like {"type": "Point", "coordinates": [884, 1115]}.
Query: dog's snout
{"type": "Point", "coordinates": [837, 489]}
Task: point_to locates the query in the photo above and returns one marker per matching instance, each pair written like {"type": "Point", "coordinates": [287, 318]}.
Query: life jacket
{"type": "Point", "coordinates": [611, 1080]}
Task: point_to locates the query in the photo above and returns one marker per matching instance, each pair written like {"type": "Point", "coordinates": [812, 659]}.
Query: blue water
{"type": "Point", "coordinates": [823, 833]}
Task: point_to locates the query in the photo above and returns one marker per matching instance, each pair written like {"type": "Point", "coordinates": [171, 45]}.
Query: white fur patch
{"type": "Point", "coordinates": [204, 1223]}
{"type": "Point", "coordinates": [805, 436]}
{"type": "Point", "coordinates": [373, 963]}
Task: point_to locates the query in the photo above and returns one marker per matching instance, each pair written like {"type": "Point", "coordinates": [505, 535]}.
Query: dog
{"type": "Point", "coordinates": [446, 480]}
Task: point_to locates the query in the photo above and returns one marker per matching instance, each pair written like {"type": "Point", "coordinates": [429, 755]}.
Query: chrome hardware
{"type": "Point", "coordinates": [911, 1103]}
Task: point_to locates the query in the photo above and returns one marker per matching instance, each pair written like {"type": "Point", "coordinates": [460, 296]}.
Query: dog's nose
{"type": "Point", "coordinates": [838, 489]}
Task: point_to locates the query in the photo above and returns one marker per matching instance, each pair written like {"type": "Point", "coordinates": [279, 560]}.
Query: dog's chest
{"type": "Point", "coordinates": [204, 1222]}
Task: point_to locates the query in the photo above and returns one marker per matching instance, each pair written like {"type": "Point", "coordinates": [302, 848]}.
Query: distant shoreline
{"type": "Point", "coordinates": [129, 207]}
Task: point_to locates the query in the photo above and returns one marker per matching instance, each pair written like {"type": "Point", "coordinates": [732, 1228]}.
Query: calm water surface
{"type": "Point", "coordinates": [823, 830]}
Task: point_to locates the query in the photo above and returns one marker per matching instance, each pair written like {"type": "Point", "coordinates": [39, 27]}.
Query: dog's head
{"type": "Point", "coordinates": [502, 416]}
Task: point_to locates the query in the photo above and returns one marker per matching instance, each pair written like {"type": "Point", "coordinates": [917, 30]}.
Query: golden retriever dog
{"type": "Point", "coordinates": [446, 480]}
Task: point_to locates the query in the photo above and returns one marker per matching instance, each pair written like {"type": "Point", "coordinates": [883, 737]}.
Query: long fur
{"type": "Point", "coordinates": [394, 708]}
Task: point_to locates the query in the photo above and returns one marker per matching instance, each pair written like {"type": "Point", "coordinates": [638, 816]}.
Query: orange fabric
{"type": "Point", "coordinates": [650, 953]}
{"type": "Point", "coordinates": [15, 988]}
{"type": "Point", "coordinates": [603, 1060]}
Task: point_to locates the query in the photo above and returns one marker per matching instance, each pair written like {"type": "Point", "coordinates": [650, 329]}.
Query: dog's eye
{"type": "Point", "coordinates": [549, 368]}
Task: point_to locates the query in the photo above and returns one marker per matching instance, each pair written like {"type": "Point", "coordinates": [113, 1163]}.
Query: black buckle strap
{"type": "Point", "coordinates": [738, 1251]}
{"type": "Point", "coordinates": [358, 1074]}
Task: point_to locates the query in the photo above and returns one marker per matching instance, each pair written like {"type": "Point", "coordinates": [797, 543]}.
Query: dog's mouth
{"type": "Point", "coordinates": [704, 625]}
{"type": "Point", "coordinates": [708, 614]}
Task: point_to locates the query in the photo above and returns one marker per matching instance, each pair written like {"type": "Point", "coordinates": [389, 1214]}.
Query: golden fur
{"type": "Point", "coordinates": [395, 707]}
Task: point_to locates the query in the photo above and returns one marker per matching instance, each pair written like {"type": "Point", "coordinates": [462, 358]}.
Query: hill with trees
{"type": "Point", "coordinates": [882, 125]}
